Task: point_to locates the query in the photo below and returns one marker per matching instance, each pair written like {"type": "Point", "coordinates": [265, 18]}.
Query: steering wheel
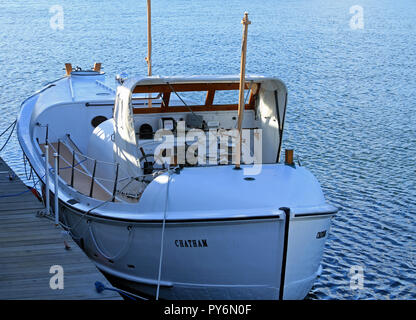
{"type": "Point", "coordinates": [149, 163]}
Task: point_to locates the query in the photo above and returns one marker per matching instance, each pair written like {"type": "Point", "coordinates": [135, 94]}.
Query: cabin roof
{"type": "Point", "coordinates": [133, 82]}
{"type": "Point", "coordinates": [94, 87]}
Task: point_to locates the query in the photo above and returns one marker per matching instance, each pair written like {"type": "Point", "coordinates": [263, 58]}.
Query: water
{"type": "Point", "coordinates": [351, 114]}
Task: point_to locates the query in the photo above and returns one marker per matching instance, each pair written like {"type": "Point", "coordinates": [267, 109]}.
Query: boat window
{"type": "Point", "coordinates": [229, 96]}
{"type": "Point", "coordinates": [96, 121]}
{"type": "Point", "coordinates": [213, 96]}
{"type": "Point", "coordinates": [146, 131]}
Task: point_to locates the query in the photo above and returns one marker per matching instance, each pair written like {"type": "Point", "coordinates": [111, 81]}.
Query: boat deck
{"type": "Point", "coordinates": [82, 178]}
{"type": "Point", "coordinates": [30, 245]}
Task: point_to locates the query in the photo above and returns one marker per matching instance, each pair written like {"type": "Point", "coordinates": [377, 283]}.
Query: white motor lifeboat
{"type": "Point", "coordinates": [149, 189]}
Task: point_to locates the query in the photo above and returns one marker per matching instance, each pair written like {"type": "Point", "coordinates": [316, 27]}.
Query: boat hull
{"type": "Point", "coordinates": [223, 259]}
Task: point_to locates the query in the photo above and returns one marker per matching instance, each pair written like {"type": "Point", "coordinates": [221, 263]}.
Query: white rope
{"type": "Point", "coordinates": [123, 249]}
{"type": "Point", "coordinates": [163, 236]}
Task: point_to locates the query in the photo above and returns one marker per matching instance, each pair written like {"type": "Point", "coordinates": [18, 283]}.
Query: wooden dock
{"type": "Point", "coordinates": [30, 245]}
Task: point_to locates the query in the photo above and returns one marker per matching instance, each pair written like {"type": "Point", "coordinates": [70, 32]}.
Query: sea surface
{"type": "Point", "coordinates": [351, 115]}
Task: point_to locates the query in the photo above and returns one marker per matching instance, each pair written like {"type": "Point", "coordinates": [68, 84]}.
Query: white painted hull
{"type": "Point", "coordinates": [236, 259]}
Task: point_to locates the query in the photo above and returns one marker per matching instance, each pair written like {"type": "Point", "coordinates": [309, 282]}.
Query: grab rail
{"type": "Point", "coordinates": [78, 165]}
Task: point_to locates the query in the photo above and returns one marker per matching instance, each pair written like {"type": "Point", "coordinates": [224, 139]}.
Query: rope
{"type": "Point", "coordinates": [86, 213]}
{"type": "Point", "coordinates": [122, 251]}
{"type": "Point", "coordinates": [24, 163]}
{"type": "Point", "coordinates": [163, 236]}
{"type": "Point", "coordinates": [127, 244]}
{"type": "Point", "coordinates": [19, 193]}
{"type": "Point", "coordinates": [80, 155]}
{"type": "Point", "coordinates": [10, 135]}
{"type": "Point", "coordinates": [64, 160]}
{"type": "Point", "coordinates": [1, 134]}
{"type": "Point", "coordinates": [180, 98]}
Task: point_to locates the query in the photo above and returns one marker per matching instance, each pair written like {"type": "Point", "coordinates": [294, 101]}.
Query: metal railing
{"type": "Point", "coordinates": [102, 174]}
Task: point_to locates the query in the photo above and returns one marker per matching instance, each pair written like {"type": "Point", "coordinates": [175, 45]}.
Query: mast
{"type": "Point", "coordinates": [245, 23]}
{"type": "Point", "coordinates": [149, 39]}
{"type": "Point", "coordinates": [149, 46]}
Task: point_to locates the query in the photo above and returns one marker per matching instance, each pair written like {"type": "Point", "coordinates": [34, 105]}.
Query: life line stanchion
{"type": "Point", "coordinates": [55, 155]}
{"type": "Point", "coordinates": [47, 179]}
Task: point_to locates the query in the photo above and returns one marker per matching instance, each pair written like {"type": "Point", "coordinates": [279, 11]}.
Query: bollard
{"type": "Point", "coordinates": [289, 157]}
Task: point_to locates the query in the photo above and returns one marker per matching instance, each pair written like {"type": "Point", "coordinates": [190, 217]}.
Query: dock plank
{"type": "Point", "coordinates": [30, 245]}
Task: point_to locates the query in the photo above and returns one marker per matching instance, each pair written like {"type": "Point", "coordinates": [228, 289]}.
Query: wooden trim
{"type": "Point", "coordinates": [252, 99]}
{"type": "Point", "coordinates": [165, 99]}
{"type": "Point", "coordinates": [183, 87]}
{"type": "Point", "coordinates": [253, 94]}
{"type": "Point", "coordinates": [289, 156]}
{"type": "Point", "coordinates": [223, 107]}
{"type": "Point", "coordinates": [241, 103]}
{"type": "Point", "coordinates": [97, 66]}
{"type": "Point", "coordinates": [68, 69]}
{"type": "Point", "coordinates": [210, 88]}
{"type": "Point", "coordinates": [209, 100]}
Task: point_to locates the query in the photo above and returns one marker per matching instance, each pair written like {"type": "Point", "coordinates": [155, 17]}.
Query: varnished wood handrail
{"type": "Point", "coordinates": [184, 87]}
{"type": "Point", "coordinates": [198, 108]}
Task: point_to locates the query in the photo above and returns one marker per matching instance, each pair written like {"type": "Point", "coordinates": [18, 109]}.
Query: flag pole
{"type": "Point", "coordinates": [245, 23]}
{"type": "Point", "coordinates": [149, 39]}
{"type": "Point", "coordinates": [149, 44]}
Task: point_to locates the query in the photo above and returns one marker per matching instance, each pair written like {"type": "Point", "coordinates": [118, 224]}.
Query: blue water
{"type": "Point", "coordinates": [351, 115]}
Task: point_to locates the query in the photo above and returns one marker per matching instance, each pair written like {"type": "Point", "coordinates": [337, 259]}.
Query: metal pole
{"type": "Point", "coordinates": [59, 152]}
{"type": "Point", "coordinates": [55, 155]}
{"type": "Point", "coordinates": [72, 170]}
{"type": "Point", "coordinates": [47, 179]}
{"type": "Point", "coordinates": [93, 178]}
{"type": "Point", "coordinates": [115, 184]}
{"type": "Point", "coordinates": [47, 135]}
{"type": "Point", "coordinates": [245, 23]}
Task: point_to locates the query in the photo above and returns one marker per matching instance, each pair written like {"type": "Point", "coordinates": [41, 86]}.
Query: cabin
{"type": "Point", "coordinates": [147, 125]}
